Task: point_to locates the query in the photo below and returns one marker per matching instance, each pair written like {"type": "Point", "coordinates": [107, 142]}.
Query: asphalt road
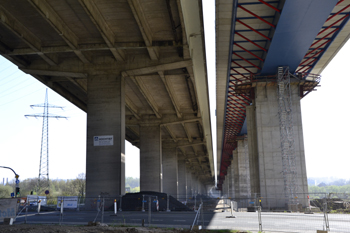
{"type": "Point", "coordinates": [271, 222]}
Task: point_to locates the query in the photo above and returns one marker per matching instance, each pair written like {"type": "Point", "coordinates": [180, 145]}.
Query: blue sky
{"type": "Point", "coordinates": [325, 115]}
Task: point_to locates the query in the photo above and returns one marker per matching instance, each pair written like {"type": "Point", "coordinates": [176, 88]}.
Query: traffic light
{"type": "Point", "coordinates": [17, 190]}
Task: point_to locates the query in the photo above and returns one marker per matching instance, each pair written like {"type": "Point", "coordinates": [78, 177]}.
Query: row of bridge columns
{"type": "Point", "coordinates": [256, 166]}
{"type": "Point", "coordinates": [161, 169]}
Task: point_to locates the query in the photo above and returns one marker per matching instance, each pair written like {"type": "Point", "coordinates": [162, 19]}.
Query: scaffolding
{"type": "Point", "coordinates": [287, 136]}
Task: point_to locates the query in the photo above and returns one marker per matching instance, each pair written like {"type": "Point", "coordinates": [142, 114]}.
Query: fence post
{"type": "Point", "coordinates": [195, 202]}
{"type": "Point", "coordinates": [121, 201]}
{"type": "Point", "coordinates": [25, 219]}
{"type": "Point", "coordinates": [167, 203]}
{"type": "Point", "coordinates": [149, 210]}
{"type": "Point", "coordinates": [78, 203]}
{"type": "Point", "coordinates": [143, 203]}
{"type": "Point", "coordinates": [259, 217]}
{"type": "Point", "coordinates": [98, 203]}
{"type": "Point", "coordinates": [103, 209]}
{"type": "Point", "coordinates": [61, 211]}
{"type": "Point", "coordinates": [202, 214]}
{"type": "Point", "coordinates": [325, 214]}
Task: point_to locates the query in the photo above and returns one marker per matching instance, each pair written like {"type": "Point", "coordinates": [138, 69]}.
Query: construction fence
{"type": "Point", "coordinates": [325, 212]}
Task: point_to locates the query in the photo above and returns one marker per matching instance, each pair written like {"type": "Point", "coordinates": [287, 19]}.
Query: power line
{"type": "Point", "coordinates": [22, 97]}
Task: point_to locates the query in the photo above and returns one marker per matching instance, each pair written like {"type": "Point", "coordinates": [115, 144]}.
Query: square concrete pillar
{"type": "Point", "coordinates": [235, 172]}
{"type": "Point", "coordinates": [151, 158]}
{"type": "Point", "coordinates": [170, 171]}
{"type": "Point", "coordinates": [253, 151]}
{"type": "Point", "coordinates": [105, 154]}
{"type": "Point", "coordinates": [188, 183]}
{"type": "Point", "coordinates": [243, 168]}
{"type": "Point", "coordinates": [231, 181]}
{"type": "Point", "coordinates": [181, 180]}
{"type": "Point", "coordinates": [269, 147]}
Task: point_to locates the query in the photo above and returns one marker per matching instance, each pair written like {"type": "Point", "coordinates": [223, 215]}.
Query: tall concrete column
{"type": "Point", "coordinates": [232, 181]}
{"type": "Point", "coordinates": [269, 146]}
{"type": "Point", "coordinates": [235, 172]}
{"type": "Point", "coordinates": [243, 168]}
{"type": "Point", "coordinates": [253, 151]}
{"type": "Point", "coordinates": [189, 183]}
{"type": "Point", "coordinates": [182, 180]}
{"type": "Point", "coordinates": [105, 154]}
{"type": "Point", "coordinates": [170, 170]}
{"type": "Point", "coordinates": [150, 158]}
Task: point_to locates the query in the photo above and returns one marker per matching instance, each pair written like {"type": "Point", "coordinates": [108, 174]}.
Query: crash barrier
{"type": "Point", "coordinates": [318, 212]}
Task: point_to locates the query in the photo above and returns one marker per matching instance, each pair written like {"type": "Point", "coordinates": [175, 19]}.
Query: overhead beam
{"type": "Point", "coordinates": [171, 93]}
{"type": "Point", "coordinates": [97, 18]}
{"type": "Point", "coordinates": [17, 28]}
{"type": "Point", "coordinates": [50, 15]}
{"type": "Point", "coordinates": [181, 122]}
{"type": "Point", "coordinates": [78, 84]}
{"type": "Point", "coordinates": [132, 107]}
{"type": "Point", "coordinates": [187, 132]}
{"type": "Point", "coordinates": [157, 68]}
{"type": "Point", "coordinates": [92, 47]}
{"type": "Point", "coordinates": [144, 28]}
{"type": "Point", "coordinates": [54, 73]}
{"type": "Point", "coordinates": [146, 94]}
{"type": "Point", "coordinates": [172, 135]}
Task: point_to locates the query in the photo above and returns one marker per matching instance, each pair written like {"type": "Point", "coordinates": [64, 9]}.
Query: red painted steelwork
{"type": "Point", "coordinates": [269, 5]}
{"type": "Point", "coordinates": [338, 13]}
{"type": "Point", "coordinates": [249, 52]}
{"type": "Point", "coordinates": [239, 21]}
{"type": "Point", "coordinates": [242, 67]}
{"type": "Point", "coordinates": [251, 41]}
{"type": "Point", "coordinates": [324, 37]}
{"type": "Point", "coordinates": [247, 61]}
{"type": "Point", "coordinates": [341, 19]}
{"type": "Point", "coordinates": [256, 16]}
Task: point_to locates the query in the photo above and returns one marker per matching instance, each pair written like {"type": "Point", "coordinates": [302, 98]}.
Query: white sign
{"type": "Point", "coordinates": [68, 202]}
{"type": "Point", "coordinates": [106, 140]}
{"type": "Point", "coordinates": [7, 208]}
{"type": "Point", "coordinates": [34, 199]}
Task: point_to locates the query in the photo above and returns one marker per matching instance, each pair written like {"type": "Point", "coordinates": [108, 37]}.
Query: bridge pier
{"type": "Point", "coordinates": [269, 147]}
{"type": "Point", "coordinates": [243, 167]}
{"type": "Point", "coordinates": [151, 158]}
{"type": "Point", "coordinates": [182, 180]}
{"type": "Point", "coordinates": [105, 155]}
{"type": "Point", "coordinates": [170, 170]}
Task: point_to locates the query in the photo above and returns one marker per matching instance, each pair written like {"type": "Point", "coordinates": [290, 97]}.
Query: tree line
{"type": "Point", "coordinates": [58, 187]}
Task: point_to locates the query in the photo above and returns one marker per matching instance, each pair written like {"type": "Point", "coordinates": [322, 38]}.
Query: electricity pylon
{"type": "Point", "coordinates": [43, 181]}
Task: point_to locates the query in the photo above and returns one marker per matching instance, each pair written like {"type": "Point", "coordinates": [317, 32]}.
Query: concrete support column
{"type": "Point", "coordinates": [231, 190]}
{"type": "Point", "coordinates": [105, 156]}
{"type": "Point", "coordinates": [243, 168]}
{"type": "Point", "coordinates": [188, 183]}
{"type": "Point", "coordinates": [182, 187]}
{"type": "Point", "coordinates": [253, 151]}
{"type": "Point", "coordinates": [150, 158]}
{"type": "Point", "coordinates": [269, 147]}
{"type": "Point", "coordinates": [170, 170]}
{"type": "Point", "coordinates": [235, 173]}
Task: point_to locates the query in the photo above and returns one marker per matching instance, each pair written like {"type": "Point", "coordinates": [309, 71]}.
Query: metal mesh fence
{"type": "Point", "coordinates": [325, 212]}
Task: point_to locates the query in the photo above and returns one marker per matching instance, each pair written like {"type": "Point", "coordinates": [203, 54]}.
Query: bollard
{"type": "Point", "coordinates": [195, 202]}
{"type": "Point", "coordinates": [39, 205]}
{"type": "Point", "coordinates": [115, 207]}
{"type": "Point", "coordinates": [143, 222]}
{"type": "Point", "coordinates": [143, 203]}
{"type": "Point", "coordinates": [167, 203]}
{"type": "Point", "coordinates": [61, 211]}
